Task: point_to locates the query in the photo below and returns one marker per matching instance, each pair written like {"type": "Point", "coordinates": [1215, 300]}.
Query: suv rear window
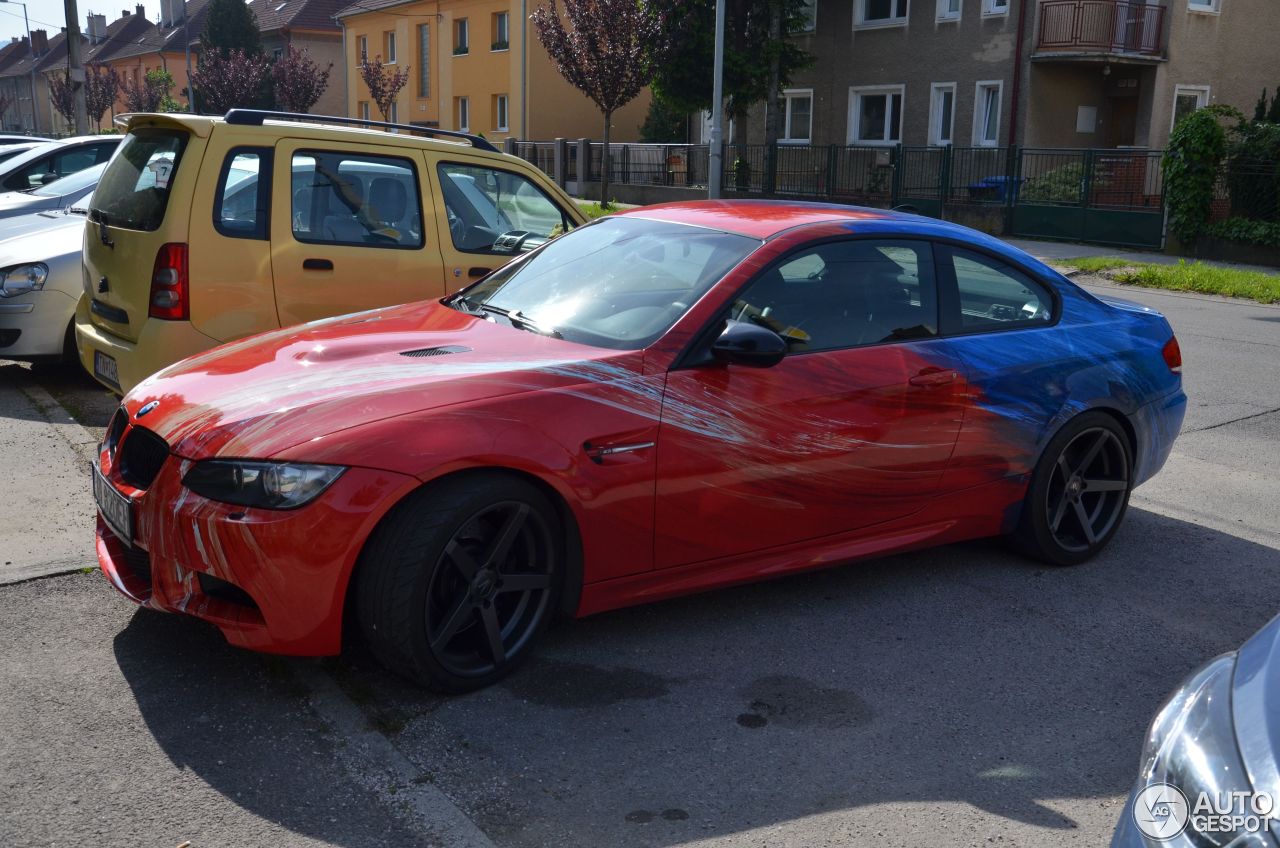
{"type": "Point", "coordinates": [134, 191]}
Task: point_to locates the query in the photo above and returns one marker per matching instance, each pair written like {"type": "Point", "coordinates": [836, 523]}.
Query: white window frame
{"type": "Point", "coordinates": [944, 12]}
{"type": "Point", "coordinates": [391, 47]}
{"type": "Point", "coordinates": [502, 113]}
{"type": "Point", "coordinates": [855, 113]}
{"type": "Point", "coordinates": [1202, 98]}
{"type": "Point", "coordinates": [1204, 7]}
{"type": "Point", "coordinates": [364, 110]}
{"type": "Point", "coordinates": [464, 114]}
{"type": "Point", "coordinates": [788, 95]}
{"type": "Point", "coordinates": [995, 8]}
{"type": "Point", "coordinates": [504, 16]}
{"type": "Point", "coordinates": [935, 114]}
{"type": "Point", "coordinates": [979, 116]}
{"type": "Point", "coordinates": [362, 49]}
{"type": "Point", "coordinates": [860, 20]}
{"type": "Point", "coordinates": [462, 27]}
{"type": "Point", "coordinates": [810, 17]}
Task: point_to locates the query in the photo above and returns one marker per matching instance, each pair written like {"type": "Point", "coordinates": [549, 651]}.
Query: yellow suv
{"type": "Point", "coordinates": [204, 230]}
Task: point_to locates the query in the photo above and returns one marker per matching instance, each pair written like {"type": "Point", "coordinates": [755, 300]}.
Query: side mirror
{"type": "Point", "coordinates": [751, 345]}
{"type": "Point", "coordinates": [48, 178]}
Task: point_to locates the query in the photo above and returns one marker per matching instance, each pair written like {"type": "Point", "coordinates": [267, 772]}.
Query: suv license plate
{"type": "Point", "coordinates": [105, 367]}
{"type": "Point", "coordinates": [116, 509]}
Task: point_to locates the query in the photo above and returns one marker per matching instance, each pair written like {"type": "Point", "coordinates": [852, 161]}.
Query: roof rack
{"type": "Point", "coordinates": [255, 117]}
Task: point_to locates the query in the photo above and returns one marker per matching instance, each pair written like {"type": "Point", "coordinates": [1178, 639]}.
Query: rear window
{"type": "Point", "coordinates": [134, 191]}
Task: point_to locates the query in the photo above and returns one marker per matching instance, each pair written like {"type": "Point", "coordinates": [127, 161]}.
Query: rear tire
{"type": "Point", "coordinates": [1079, 492]}
{"type": "Point", "coordinates": [458, 581]}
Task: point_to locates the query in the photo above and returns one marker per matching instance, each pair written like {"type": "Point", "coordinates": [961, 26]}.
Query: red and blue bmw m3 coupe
{"type": "Point", "coordinates": [665, 401]}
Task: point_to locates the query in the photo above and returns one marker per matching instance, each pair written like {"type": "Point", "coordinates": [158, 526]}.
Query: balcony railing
{"type": "Point", "coordinates": [1104, 26]}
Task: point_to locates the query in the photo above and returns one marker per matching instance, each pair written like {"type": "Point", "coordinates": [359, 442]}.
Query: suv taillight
{"type": "Point", "coordinates": [1172, 355]}
{"type": "Point", "coordinates": [169, 289]}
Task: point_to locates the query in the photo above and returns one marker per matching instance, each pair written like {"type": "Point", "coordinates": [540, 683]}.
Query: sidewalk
{"type": "Point", "coordinates": [47, 523]}
{"type": "Point", "coordinates": [1050, 251]}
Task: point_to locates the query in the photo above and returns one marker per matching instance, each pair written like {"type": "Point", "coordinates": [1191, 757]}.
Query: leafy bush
{"type": "Point", "coordinates": [1061, 185]}
{"type": "Point", "coordinates": [1246, 231]}
{"type": "Point", "coordinates": [1253, 170]}
{"type": "Point", "coordinates": [1191, 165]}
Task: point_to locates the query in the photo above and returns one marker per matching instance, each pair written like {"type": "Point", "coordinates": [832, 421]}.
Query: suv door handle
{"type": "Point", "coordinates": [933, 376]}
{"type": "Point", "coordinates": [478, 272]}
{"type": "Point", "coordinates": [317, 264]}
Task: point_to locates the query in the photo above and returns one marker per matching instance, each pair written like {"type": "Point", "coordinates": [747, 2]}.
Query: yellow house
{"type": "Point", "coordinates": [474, 65]}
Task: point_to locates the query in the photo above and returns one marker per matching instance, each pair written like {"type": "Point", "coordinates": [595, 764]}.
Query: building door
{"type": "Point", "coordinates": [1122, 129]}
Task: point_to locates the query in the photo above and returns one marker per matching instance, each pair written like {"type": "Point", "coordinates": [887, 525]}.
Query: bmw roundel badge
{"type": "Point", "coordinates": [147, 408]}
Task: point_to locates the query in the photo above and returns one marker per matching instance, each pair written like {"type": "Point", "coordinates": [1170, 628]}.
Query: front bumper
{"type": "Point", "coordinates": [288, 570]}
{"type": "Point", "coordinates": [35, 324]}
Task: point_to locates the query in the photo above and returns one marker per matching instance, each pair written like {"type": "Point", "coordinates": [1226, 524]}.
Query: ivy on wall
{"type": "Point", "coordinates": [1191, 166]}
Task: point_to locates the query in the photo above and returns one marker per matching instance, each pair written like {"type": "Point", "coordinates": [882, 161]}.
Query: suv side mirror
{"type": "Point", "coordinates": [750, 345]}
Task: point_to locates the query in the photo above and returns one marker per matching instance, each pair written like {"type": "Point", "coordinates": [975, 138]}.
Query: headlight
{"type": "Point", "coordinates": [270, 485]}
{"type": "Point", "coordinates": [1192, 745]}
{"type": "Point", "coordinates": [21, 279]}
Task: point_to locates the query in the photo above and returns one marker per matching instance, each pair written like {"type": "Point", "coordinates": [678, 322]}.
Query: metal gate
{"type": "Point", "coordinates": [1103, 196]}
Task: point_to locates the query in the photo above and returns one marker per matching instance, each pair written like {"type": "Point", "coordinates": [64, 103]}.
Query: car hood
{"type": "Point", "coordinates": [265, 394]}
{"type": "Point", "coordinates": [39, 237]}
{"type": "Point", "coordinates": [1255, 704]}
{"type": "Point", "coordinates": [21, 199]}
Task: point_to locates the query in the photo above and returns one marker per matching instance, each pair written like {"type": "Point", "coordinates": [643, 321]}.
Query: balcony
{"type": "Point", "coordinates": [1100, 29]}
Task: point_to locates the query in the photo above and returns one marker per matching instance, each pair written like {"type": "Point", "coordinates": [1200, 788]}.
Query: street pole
{"type": "Point", "coordinates": [186, 43]}
{"type": "Point", "coordinates": [75, 67]}
{"type": "Point", "coordinates": [31, 53]}
{"type": "Point", "coordinates": [716, 158]}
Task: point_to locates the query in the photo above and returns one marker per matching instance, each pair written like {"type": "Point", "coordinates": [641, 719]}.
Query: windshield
{"type": "Point", "coordinates": [79, 181]}
{"type": "Point", "coordinates": [619, 283]}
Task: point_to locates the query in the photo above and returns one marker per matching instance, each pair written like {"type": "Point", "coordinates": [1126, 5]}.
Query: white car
{"type": "Point", "coordinates": [47, 162]}
{"type": "Point", "coordinates": [40, 284]}
{"type": "Point", "coordinates": [59, 194]}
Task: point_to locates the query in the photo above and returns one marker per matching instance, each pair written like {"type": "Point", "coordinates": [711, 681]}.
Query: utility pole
{"type": "Point", "coordinates": [716, 158]}
{"type": "Point", "coordinates": [74, 66]}
{"type": "Point", "coordinates": [186, 45]}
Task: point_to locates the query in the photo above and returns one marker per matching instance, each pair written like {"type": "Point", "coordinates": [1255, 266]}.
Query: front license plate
{"type": "Point", "coordinates": [105, 367]}
{"type": "Point", "coordinates": [116, 509]}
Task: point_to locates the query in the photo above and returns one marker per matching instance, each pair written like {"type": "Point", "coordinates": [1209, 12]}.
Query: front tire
{"type": "Point", "coordinates": [457, 583]}
{"type": "Point", "coordinates": [1079, 492]}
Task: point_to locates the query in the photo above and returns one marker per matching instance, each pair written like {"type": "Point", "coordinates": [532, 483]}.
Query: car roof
{"type": "Point", "coordinates": [762, 219]}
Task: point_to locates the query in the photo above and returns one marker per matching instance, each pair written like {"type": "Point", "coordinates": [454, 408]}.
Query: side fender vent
{"type": "Point", "coordinates": [444, 350]}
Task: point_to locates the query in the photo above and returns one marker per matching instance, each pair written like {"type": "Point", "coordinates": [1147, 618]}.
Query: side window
{"type": "Point", "coordinates": [483, 203]}
{"type": "Point", "coordinates": [993, 295]}
{"type": "Point", "coordinates": [355, 199]}
{"type": "Point", "coordinates": [241, 206]}
{"type": "Point", "coordinates": [102, 153]}
{"type": "Point", "coordinates": [846, 294]}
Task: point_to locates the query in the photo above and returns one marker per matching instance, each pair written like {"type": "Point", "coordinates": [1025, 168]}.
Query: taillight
{"type": "Point", "coordinates": [1172, 355]}
{"type": "Point", "coordinates": [169, 289]}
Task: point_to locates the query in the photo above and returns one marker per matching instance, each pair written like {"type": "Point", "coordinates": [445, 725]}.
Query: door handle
{"type": "Point", "coordinates": [933, 376]}
{"type": "Point", "coordinates": [317, 264]}
{"type": "Point", "coordinates": [478, 272]}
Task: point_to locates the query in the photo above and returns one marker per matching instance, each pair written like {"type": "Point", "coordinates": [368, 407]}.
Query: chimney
{"type": "Point", "coordinates": [166, 14]}
{"type": "Point", "coordinates": [97, 28]}
{"type": "Point", "coordinates": [179, 8]}
{"type": "Point", "coordinates": [40, 42]}
{"type": "Point", "coordinates": [124, 13]}
{"type": "Point", "coordinates": [141, 11]}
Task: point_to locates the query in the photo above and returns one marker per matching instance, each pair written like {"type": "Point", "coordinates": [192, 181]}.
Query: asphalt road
{"type": "Point", "coordinates": [960, 696]}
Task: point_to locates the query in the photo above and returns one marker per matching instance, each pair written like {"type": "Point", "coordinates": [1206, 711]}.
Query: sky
{"type": "Point", "coordinates": [49, 15]}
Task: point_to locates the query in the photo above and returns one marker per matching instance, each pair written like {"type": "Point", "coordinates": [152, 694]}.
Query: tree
{"type": "Point", "coordinates": [230, 25]}
{"type": "Point", "coordinates": [5, 102]}
{"type": "Point", "coordinates": [297, 80]}
{"type": "Point", "coordinates": [236, 80]}
{"type": "Point", "coordinates": [758, 61]}
{"type": "Point", "coordinates": [383, 84]}
{"type": "Point", "coordinates": [664, 123]}
{"type": "Point", "coordinates": [602, 53]}
{"type": "Point", "coordinates": [101, 87]}
{"type": "Point", "coordinates": [148, 95]}
{"type": "Point", "coordinates": [63, 95]}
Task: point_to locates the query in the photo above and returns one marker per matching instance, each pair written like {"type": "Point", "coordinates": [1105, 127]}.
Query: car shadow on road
{"type": "Point", "coordinates": [963, 675]}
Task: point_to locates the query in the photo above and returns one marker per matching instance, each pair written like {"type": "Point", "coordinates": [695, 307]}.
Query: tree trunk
{"type": "Point", "coordinates": [773, 113]}
{"type": "Point", "coordinates": [604, 162]}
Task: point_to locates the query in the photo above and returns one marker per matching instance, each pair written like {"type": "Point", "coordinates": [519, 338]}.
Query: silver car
{"type": "Point", "coordinates": [56, 159]}
{"type": "Point", "coordinates": [59, 194]}
{"type": "Point", "coordinates": [40, 284]}
{"type": "Point", "coordinates": [1210, 771]}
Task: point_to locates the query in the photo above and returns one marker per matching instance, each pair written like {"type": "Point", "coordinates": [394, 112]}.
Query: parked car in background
{"type": "Point", "coordinates": [58, 194]}
{"type": "Point", "coordinates": [8, 140]}
{"type": "Point", "coordinates": [1214, 745]}
{"type": "Point", "coordinates": [40, 282]}
{"type": "Point", "coordinates": [48, 162]}
{"type": "Point", "coordinates": [205, 230]}
{"type": "Point", "coordinates": [9, 151]}
{"type": "Point", "coordinates": [672, 399]}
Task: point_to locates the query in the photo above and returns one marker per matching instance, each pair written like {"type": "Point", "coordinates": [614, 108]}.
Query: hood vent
{"type": "Point", "coordinates": [444, 350]}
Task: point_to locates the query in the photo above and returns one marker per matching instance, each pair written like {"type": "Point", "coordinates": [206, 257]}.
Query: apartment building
{"type": "Point", "coordinates": [475, 65]}
{"type": "Point", "coordinates": [1040, 73]}
{"type": "Point", "coordinates": [19, 115]}
{"type": "Point", "coordinates": [33, 114]}
{"type": "Point", "coordinates": [308, 25]}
